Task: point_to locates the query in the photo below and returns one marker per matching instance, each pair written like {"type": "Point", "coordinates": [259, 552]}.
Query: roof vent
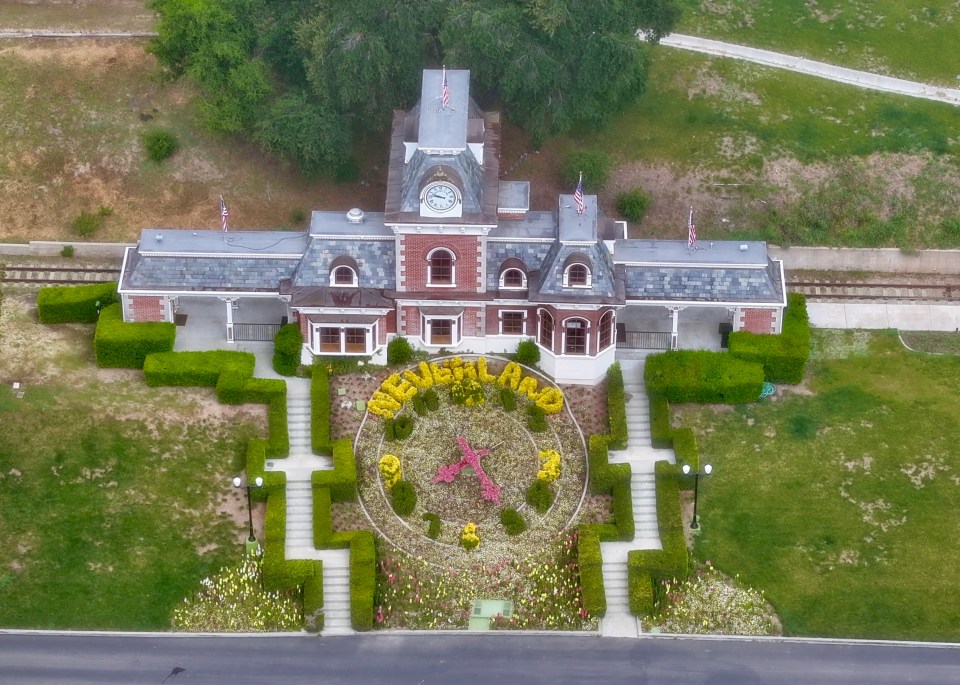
{"type": "Point", "coordinates": [159, 237]}
{"type": "Point", "coordinates": [355, 216]}
{"type": "Point", "coordinates": [744, 247]}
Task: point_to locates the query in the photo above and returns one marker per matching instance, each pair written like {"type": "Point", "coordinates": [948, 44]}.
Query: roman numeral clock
{"type": "Point", "coordinates": [441, 198]}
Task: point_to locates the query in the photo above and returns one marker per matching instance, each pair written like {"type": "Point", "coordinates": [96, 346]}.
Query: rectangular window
{"type": "Point", "coordinates": [330, 340]}
{"type": "Point", "coordinates": [575, 334]}
{"type": "Point", "coordinates": [512, 323]}
{"type": "Point", "coordinates": [441, 332]}
{"type": "Point", "coordinates": [546, 330]}
{"type": "Point", "coordinates": [356, 340]}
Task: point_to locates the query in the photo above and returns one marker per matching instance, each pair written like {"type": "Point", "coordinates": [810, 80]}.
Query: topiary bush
{"type": "Point", "coordinates": [431, 399]}
{"type": "Point", "coordinates": [536, 419]}
{"type": "Point", "coordinates": [702, 376]}
{"type": "Point", "coordinates": [590, 562]}
{"type": "Point", "coordinates": [512, 521]}
{"type": "Point", "coordinates": [74, 303]}
{"type": "Point", "coordinates": [160, 144]}
{"type": "Point", "coordinates": [419, 405]}
{"type": "Point", "coordinates": [363, 580]}
{"type": "Point", "coordinates": [661, 436]}
{"type": "Point", "coordinates": [540, 496]}
{"type": "Point", "coordinates": [508, 399]}
{"type": "Point", "coordinates": [528, 352]}
{"type": "Point", "coordinates": [402, 427]}
{"type": "Point", "coordinates": [435, 527]}
{"type": "Point", "coordinates": [595, 166]}
{"type": "Point", "coordinates": [616, 407]}
{"type": "Point", "coordinates": [399, 351]}
{"type": "Point", "coordinates": [319, 409]}
{"type": "Point", "coordinates": [120, 345]}
{"type": "Point", "coordinates": [633, 204]}
{"type": "Point", "coordinates": [783, 356]}
{"type": "Point", "coordinates": [404, 498]}
{"type": "Point", "coordinates": [287, 346]}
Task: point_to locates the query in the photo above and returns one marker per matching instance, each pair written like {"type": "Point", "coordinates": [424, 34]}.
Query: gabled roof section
{"type": "Point", "coordinates": [606, 283]}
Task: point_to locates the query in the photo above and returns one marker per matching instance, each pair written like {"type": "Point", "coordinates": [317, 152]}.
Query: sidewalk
{"type": "Point", "coordinates": [862, 79]}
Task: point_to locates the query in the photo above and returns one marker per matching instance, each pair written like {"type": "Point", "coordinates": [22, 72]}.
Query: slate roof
{"type": "Point", "coordinates": [375, 257]}
{"type": "Point", "coordinates": [606, 286]}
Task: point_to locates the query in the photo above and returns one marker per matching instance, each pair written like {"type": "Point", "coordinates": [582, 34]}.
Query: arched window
{"type": "Point", "coordinates": [513, 279]}
{"type": "Point", "coordinates": [576, 276]}
{"type": "Point", "coordinates": [441, 267]}
{"type": "Point", "coordinates": [343, 276]}
{"type": "Point", "coordinates": [575, 336]}
{"type": "Point", "coordinates": [546, 329]}
{"type": "Point", "coordinates": [606, 330]}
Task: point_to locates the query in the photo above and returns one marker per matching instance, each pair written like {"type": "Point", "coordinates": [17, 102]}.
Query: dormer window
{"type": "Point", "coordinates": [576, 276]}
{"type": "Point", "coordinates": [343, 273]}
{"type": "Point", "coordinates": [513, 279]}
{"type": "Point", "coordinates": [441, 268]}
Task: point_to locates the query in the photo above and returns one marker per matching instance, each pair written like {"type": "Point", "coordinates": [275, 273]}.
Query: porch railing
{"type": "Point", "coordinates": [255, 332]}
{"type": "Point", "coordinates": [643, 340]}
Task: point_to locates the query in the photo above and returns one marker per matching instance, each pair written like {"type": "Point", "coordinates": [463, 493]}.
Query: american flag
{"type": "Point", "coordinates": [578, 196]}
{"type": "Point", "coordinates": [223, 215]}
{"type": "Point", "coordinates": [445, 97]}
{"type": "Point", "coordinates": [691, 231]}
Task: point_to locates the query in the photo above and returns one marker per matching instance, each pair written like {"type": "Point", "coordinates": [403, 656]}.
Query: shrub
{"type": "Point", "coordinates": [508, 399]}
{"type": "Point", "coordinates": [702, 376]}
{"type": "Point", "coordinates": [685, 448]}
{"type": "Point", "coordinates": [419, 405]}
{"type": "Point", "coordinates": [320, 410]}
{"type": "Point", "coordinates": [632, 205]}
{"type": "Point", "coordinates": [86, 223]}
{"type": "Point", "coordinates": [623, 511]}
{"type": "Point", "coordinates": [287, 346]}
{"type": "Point", "coordinates": [783, 356]}
{"type": "Point", "coordinates": [640, 593]}
{"type": "Point", "coordinates": [399, 351]}
{"type": "Point", "coordinates": [390, 470]}
{"type": "Point", "coordinates": [528, 353]}
{"type": "Point", "coordinates": [256, 468]}
{"type": "Point", "coordinates": [590, 561]}
{"type": "Point", "coordinates": [74, 303]}
{"type": "Point", "coordinates": [433, 530]}
{"type": "Point", "coordinates": [595, 166]}
{"type": "Point", "coordinates": [512, 521]}
{"type": "Point", "coordinates": [160, 144]}
{"type": "Point", "coordinates": [603, 474]}
{"type": "Point", "coordinates": [120, 345]}
{"type": "Point", "coordinates": [404, 498]}
{"type": "Point", "coordinates": [540, 496]}
{"type": "Point", "coordinates": [342, 480]}
{"type": "Point", "coordinates": [550, 468]}
{"type": "Point", "coordinates": [661, 436]}
{"type": "Point", "coordinates": [536, 419]}
{"type": "Point", "coordinates": [469, 538]}
{"type": "Point", "coordinates": [617, 407]}
{"type": "Point", "coordinates": [363, 568]}
{"type": "Point", "coordinates": [67, 251]}
{"type": "Point", "coordinates": [431, 399]}
{"type": "Point", "coordinates": [402, 427]}
{"type": "Point", "coordinates": [313, 599]}
{"type": "Point", "coordinates": [346, 172]}
{"type": "Point", "coordinates": [200, 369]}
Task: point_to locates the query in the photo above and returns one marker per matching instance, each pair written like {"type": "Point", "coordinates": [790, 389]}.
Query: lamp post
{"type": "Point", "coordinates": [237, 483]}
{"type": "Point", "coordinates": [707, 470]}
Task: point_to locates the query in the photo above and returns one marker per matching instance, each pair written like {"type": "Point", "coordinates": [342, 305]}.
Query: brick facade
{"type": "Point", "coordinates": [493, 318]}
{"type": "Point", "coordinates": [467, 253]}
{"type": "Point", "coordinates": [147, 308]}
{"type": "Point", "coordinates": [757, 320]}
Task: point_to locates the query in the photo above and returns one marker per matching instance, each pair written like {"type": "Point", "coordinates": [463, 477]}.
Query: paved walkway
{"type": "Point", "coordinates": [619, 622]}
{"type": "Point", "coordinates": [299, 466]}
{"type": "Point", "coordinates": [877, 315]}
{"type": "Point", "coordinates": [863, 79]}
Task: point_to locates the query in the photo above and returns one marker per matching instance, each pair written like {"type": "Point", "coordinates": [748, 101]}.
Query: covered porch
{"type": "Point", "coordinates": [645, 328]}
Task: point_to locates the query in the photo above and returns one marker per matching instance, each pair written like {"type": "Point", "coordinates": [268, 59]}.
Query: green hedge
{"type": "Point", "coordinates": [702, 376]}
{"type": "Point", "coordinates": [120, 345]}
{"type": "Point", "coordinates": [604, 475]}
{"type": "Point", "coordinates": [590, 561]}
{"type": "Point", "coordinates": [403, 498]}
{"type": "Point", "coordinates": [661, 436]}
{"type": "Point", "coordinates": [324, 536]}
{"type": "Point", "coordinates": [623, 511]}
{"type": "Point", "coordinates": [783, 356]}
{"type": "Point", "coordinates": [640, 593]}
{"type": "Point", "coordinates": [313, 599]}
{"type": "Point", "coordinates": [685, 448]}
{"type": "Point", "coordinates": [278, 573]}
{"type": "Point", "coordinates": [342, 480]}
{"type": "Point", "coordinates": [363, 566]}
{"type": "Point", "coordinates": [320, 410]}
{"type": "Point", "coordinates": [287, 346]}
{"type": "Point", "coordinates": [198, 369]}
{"type": "Point", "coordinates": [256, 468]}
{"type": "Point", "coordinates": [617, 407]}
{"type": "Point", "coordinates": [74, 303]}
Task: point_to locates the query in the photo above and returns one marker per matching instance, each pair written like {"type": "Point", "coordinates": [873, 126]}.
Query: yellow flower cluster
{"type": "Point", "coordinates": [395, 391]}
{"type": "Point", "coordinates": [390, 470]}
{"type": "Point", "coordinates": [550, 469]}
{"type": "Point", "coordinates": [468, 537]}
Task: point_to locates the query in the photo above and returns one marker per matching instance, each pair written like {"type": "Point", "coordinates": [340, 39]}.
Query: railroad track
{"type": "Point", "coordinates": [822, 291]}
{"type": "Point", "coordinates": [57, 275]}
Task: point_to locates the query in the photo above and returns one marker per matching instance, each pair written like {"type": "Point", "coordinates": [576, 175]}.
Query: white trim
{"type": "Point", "coordinates": [453, 268]}
{"type": "Point", "coordinates": [566, 276]}
{"type": "Point", "coordinates": [370, 338]}
{"type": "Point", "coordinates": [553, 337]}
{"type": "Point", "coordinates": [456, 329]}
{"type": "Point", "coordinates": [563, 338]}
{"type": "Point", "coordinates": [523, 276]}
{"type": "Point", "coordinates": [354, 281]}
{"type": "Point", "coordinates": [500, 314]}
{"type": "Point", "coordinates": [612, 313]}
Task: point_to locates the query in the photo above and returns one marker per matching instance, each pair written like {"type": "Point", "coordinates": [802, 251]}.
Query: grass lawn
{"type": "Point", "coordinates": [116, 498]}
{"type": "Point", "coordinates": [841, 504]}
{"type": "Point", "coordinates": [906, 39]}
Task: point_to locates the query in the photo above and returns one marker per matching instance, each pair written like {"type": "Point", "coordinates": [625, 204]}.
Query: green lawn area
{"type": "Point", "coordinates": [841, 504]}
{"type": "Point", "coordinates": [906, 39]}
{"type": "Point", "coordinates": [110, 494]}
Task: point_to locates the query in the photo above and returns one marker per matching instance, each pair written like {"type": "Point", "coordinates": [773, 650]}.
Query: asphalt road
{"type": "Point", "coordinates": [498, 658]}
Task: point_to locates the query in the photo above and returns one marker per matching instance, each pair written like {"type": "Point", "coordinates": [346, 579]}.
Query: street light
{"type": "Point", "coordinates": [237, 483]}
{"type": "Point", "coordinates": [707, 470]}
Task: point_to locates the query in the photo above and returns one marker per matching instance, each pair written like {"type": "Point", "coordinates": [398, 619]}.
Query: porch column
{"type": "Point", "coordinates": [674, 332]}
{"type": "Point", "coordinates": [230, 302]}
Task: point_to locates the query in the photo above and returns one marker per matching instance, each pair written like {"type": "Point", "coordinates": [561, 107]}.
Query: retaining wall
{"type": "Point", "coordinates": [863, 259]}
{"type": "Point", "coordinates": [50, 248]}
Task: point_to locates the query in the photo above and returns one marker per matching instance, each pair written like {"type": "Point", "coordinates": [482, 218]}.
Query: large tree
{"type": "Point", "coordinates": [300, 76]}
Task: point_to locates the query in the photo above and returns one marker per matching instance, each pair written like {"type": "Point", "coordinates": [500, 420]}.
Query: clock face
{"type": "Point", "coordinates": [441, 197]}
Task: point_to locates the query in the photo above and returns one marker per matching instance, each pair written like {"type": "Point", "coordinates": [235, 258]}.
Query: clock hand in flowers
{"type": "Point", "coordinates": [471, 458]}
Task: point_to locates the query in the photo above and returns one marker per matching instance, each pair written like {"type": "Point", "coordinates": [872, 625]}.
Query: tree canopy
{"type": "Point", "coordinates": [302, 76]}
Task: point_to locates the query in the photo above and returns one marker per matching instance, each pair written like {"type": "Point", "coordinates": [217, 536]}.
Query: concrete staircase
{"type": "Point", "coordinates": [299, 466]}
{"type": "Point", "coordinates": [618, 621]}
